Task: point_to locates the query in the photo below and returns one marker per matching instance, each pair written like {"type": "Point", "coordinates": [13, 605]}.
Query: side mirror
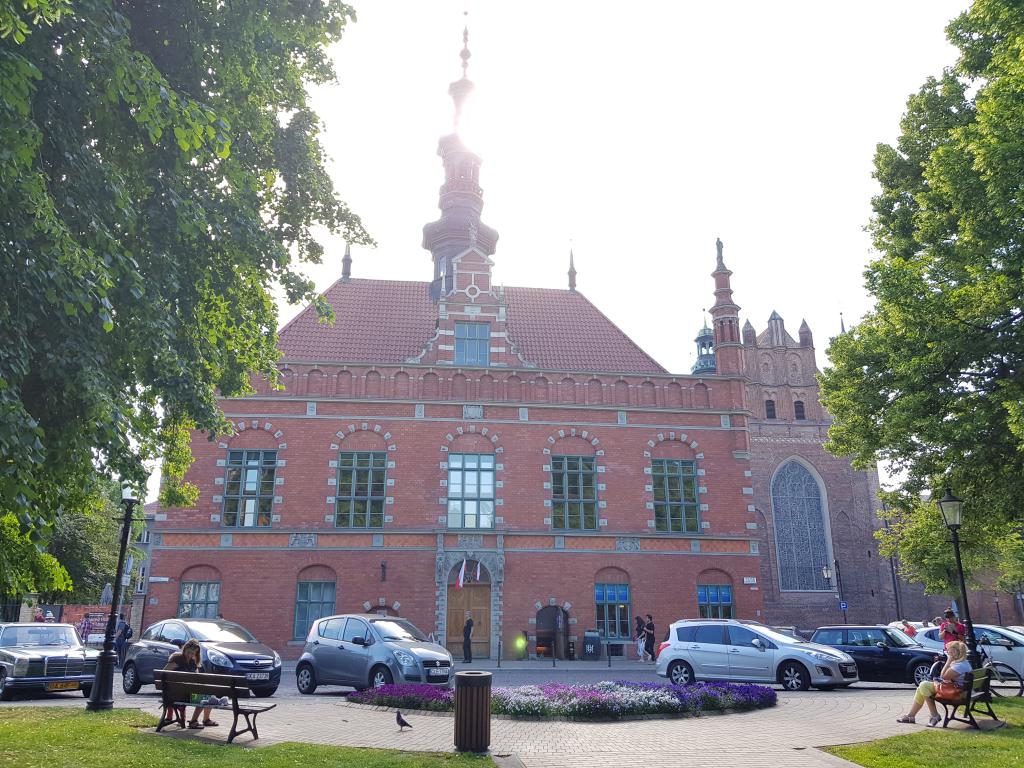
{"type": "Point", "coordinates": [984, 641]}
{"type": "Point", "coordinates": [1004, 642]}
{"type": "Point", "coordinates": [756, 642]}
{"type": "Point", "coordinates": [882, 645]}
{"type": "Point", "coordinates": [358, 641]}
{"type": "Point", "coordinates": [177, 643]}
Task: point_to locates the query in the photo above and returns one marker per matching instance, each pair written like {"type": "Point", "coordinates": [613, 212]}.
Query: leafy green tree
{"type": "Point", "coordinates": [160, 174]}
{"type": "Point", "coordinates": [931, 380]}
{"type": "Point", "coordinates": [23, 568]}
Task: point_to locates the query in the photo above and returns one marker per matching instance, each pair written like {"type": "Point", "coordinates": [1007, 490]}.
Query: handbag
{"type": "Point", "coordinates": [948, 691]}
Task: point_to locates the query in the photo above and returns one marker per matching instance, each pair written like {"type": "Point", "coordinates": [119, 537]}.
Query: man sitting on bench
{"type": "Point", "coordinates": [188, 659]}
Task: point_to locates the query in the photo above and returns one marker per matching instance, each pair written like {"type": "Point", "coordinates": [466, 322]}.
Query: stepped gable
{"type": "Point", "coordinates": [562, 330]}
{"type": "Point", "coordinates": [376, 321]}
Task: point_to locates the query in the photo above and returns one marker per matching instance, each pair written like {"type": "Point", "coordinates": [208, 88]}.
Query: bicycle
{"type": "Point", "coordinates": [1003, 676]}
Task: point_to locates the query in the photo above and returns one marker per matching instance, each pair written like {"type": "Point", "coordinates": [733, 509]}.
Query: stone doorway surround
{"type": "Point", "coordinates": [469, 547]}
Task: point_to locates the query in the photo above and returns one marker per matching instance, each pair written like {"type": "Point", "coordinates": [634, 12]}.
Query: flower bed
{"type": "Point", "coordinates": [600, 701]}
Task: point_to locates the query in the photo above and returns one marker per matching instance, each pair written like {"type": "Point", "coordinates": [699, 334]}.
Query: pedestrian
{"type": "Point", "coordinates": [38, 616]}
{"type": "Point", "coordinates": [49, 618]}
{"type": "Point", "coordinates": [951, 629]}
{"type": "Point", "coordinates": [649, 637]}
{"type": "Point", "coordinates": [908, 628]}
{"type": "Point", "coordinates": [121, 635]}
{"type": "Point", "coordinates": [85, 629]}
{"type": "Point", "coordinates": [640, 637]}
{"type": "Point", "coordinates": [467, 639]}
{"type": "Point", "coordinates": [188, 659]}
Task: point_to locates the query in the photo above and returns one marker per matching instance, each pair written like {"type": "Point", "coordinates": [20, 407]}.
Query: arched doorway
{"type": "Point", "coordinates": [472, 597]}
{"type": "Point", "coordinates": [552, 632]}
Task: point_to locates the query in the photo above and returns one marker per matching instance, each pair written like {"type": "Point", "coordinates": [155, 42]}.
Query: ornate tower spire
{"type": "Point", "coordinates": [842, 323]}
{"type": "Point", "coordinates": [346, 264]}
{"type": "Point", "coordinates": [461, 199]}
{"type": "Point", "coordinates": [705, 351]}
{"type": "Point", "coordinates": [725, 315]}
{"type": "Point", "coordinates": [572, 273]}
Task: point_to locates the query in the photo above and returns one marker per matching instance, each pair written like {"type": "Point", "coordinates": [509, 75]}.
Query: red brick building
{"type": "Point", "coordinates": [515, 439]}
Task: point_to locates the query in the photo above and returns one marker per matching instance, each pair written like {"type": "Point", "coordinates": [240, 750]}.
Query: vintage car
{"type": "Point", "coordinates": [44, 657]}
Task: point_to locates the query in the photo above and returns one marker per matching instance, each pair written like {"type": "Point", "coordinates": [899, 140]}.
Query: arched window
{"type": "Point", "coordinates": [800, 533]}
{"type": "Point", "coordinates": [769, 409]}
{"type": "Point", "coordinates": [798, 410]}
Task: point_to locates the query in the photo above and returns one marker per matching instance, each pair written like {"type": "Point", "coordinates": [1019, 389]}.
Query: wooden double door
{"type": "Point", "coordinates": [475, 598]}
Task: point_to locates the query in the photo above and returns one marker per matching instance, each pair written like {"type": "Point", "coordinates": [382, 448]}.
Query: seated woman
{"type": "Point", "coordinates": [953, 671]}
{"type": "Point", "coordinates": [189, 659]}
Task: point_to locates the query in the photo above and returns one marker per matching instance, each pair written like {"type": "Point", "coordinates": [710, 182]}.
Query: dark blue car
{"type": "Point", "coordinates": [883, 654]}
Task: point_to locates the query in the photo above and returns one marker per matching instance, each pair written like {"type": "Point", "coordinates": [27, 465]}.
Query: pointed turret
{"type": "Point", "coordinates": [461, 199]}
{"type": "Point", "coordinates": [842, 323]}
{"type": "Point", "coordinates": [346, 264]}
{"type": "Point", "coordinates": [572, 273]}
{"type": "Point", "coordinates": [776, 330]}
{"type": "Point", "coordinates": [726, 319]}
{"type": "Point", "coordinates": [806, 339]}
{"type": "Point", "coordinates": [749, 334]}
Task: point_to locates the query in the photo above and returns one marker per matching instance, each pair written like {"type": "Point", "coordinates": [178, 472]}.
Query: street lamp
{"type": "Point", "coordinates": [826, 574]}
{"type": "Point", "coordinates": [102, 694]}
{"type": "Point", "coordinates": [952, 508]}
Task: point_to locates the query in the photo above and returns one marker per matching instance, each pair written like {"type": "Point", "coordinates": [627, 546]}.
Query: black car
{"type": "Point", "coordinates": [227, 649]}
{"type": "Point", "coordinates": [883, 654]}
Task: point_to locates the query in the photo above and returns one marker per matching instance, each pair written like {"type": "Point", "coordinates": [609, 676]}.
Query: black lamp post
{"type": "Point", "coordinates": [102, 694]}
{"type": "Point", "coordinates": [952, 508]}
{"type": "Point", "coordinates": [827, 572]}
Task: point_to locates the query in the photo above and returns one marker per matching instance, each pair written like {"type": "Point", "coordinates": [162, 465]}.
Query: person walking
{"type": "Point", "coordinates": [951, 629]}
{"type": "Point", "coordinates": [908, 629]}
{"type": "Point", "coordinates": [649, 637]}
{"type": "Point", "coordinates": [640, 638]}
{"type": "Point", "coordinates": [467, 639]}
{"type": "Point", "coordinates": [85, 629]}
{"type": "Point", "coordinates": [122, 632]}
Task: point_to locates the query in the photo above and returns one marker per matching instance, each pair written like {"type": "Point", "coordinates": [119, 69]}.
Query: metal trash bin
{"type": "Point", "coordinates": [472, 711]}
{"type": "Point", "coordinates": [571, 653]}
{"type": "Point", "coordinates": [591, 645]}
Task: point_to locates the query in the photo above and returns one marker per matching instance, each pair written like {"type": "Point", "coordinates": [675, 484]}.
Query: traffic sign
{"type": "Point", "coordinates": [843, 606]}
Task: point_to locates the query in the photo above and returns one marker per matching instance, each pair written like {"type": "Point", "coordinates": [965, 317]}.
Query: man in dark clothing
{"type": "Point", "coordinates": [121, 635]}
{"type": "Point", "coordinates": [649, 637]}
{"type": "Point", "coordinates": [467, 639]}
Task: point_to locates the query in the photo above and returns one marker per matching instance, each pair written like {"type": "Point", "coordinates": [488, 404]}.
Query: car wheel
{"type": "Point", "coordinates": [86, 690]}
{"type": "Point", "coordinates": [793, 676]}
{"type": "Point", "coordinates": [380, 676]}
{"type": "Point", "coordinates": [264, 693]}
{"type": "Point", "coordinates": [130, 679]}
{"type": "Point", "coordinates": [921, 672]}
{"type": "Point", "coordinates": [680, 673]}
{"type": "Point", "coordinates": [6, 694]}
{"type": "Point", "coordinates": [305, 679]}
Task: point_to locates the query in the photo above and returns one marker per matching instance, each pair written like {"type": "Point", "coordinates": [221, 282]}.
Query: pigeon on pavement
{"type": "Point", "coordinates": [401, 721]}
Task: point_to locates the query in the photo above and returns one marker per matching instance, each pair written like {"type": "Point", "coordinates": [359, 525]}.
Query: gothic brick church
{"type": "Point", "coordinates": [449, 446]}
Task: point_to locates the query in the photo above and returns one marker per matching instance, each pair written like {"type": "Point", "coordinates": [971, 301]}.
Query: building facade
{"type": "Point", "coordinates": [451, 447]}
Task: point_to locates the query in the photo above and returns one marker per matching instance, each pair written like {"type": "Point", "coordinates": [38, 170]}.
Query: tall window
{"type": "Point", "coordinates": [573, 492]}
{"type": "Point", "coordinates": [362, 488]}
{"type": "Point", "coordinates": [798, 410]}
{"type": "Point", "coordinates": [714, 601]}
{"type": "Point", "coordinates": [675, 495]}
{"type": "Point", "coordinates": [472, 344]}
{"type": "Point", "coordinates": [800, 533]}
{"type": "Point", "coordinates": [769, 409]}
{"type": "Point", "coordinates": [249, 488]}
{"type": "Point", "coordinates": [470, 490]}
{"type": "Point", "coordinates": [199, 600]}
{"type": "Point", "coordinates": [611, 602]}
{"type": "Point", "coordinates": [313, 599]}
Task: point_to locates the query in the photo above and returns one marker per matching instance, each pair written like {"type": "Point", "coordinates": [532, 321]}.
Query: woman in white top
{"type": "Point", "coordinates": [953, 671]}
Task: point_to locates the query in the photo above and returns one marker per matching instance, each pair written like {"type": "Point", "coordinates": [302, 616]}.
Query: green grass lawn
{"type": "Point", "coordinates": [937, 747]}
{"type": "Point", "coordinates": [41, 737]}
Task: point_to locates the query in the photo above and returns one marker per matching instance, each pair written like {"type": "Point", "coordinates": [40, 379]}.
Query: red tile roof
{"type": "Point", "coordinates": [389, 321]}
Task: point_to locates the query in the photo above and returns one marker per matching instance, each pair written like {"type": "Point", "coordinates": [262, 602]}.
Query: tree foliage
{"type": "Point", "coordinates": [23, 567]}
{"type": "Point", "coordinates": [931, 380]}
{"type": "Point", "coordinates": [160, 174]}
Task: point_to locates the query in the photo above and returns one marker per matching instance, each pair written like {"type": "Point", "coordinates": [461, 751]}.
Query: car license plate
{"type": "Point", "coordinates": [65, 686]}
{"type": "Point", "coordinates": [257, 675]}
{"type": "Point", "coordinates": [437, 672]}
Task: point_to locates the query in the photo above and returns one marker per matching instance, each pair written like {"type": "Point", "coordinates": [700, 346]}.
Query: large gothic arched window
{"type": "Point", "coordinates": [800, 533]}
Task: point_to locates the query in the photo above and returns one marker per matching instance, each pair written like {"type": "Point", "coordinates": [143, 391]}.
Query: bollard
{"type": "Point", "coordinates": [499, 653]}
{"type": "Point", "coordinates": [472, 711]}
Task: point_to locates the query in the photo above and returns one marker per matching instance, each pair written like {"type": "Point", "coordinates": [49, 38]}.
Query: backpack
{"type": "Point", "coordinates": [128, 631]}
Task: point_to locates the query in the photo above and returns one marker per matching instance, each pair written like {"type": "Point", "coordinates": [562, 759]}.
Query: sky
{"type": "Point", "coordinates": [636, 134]}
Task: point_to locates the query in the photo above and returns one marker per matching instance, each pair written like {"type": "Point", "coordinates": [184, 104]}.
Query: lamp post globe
{"type": "Point", "coordinates": [102, 695]}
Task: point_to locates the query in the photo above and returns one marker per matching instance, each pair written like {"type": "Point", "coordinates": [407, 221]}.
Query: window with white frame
{"type": "Point", "coordinates": [470, 490]}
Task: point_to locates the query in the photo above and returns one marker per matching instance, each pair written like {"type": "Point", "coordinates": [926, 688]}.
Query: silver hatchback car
{"type": "Point", "coordinates": [364, 650]}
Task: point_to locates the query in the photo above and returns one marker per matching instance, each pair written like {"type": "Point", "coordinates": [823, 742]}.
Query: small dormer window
{"type": "Point", "coordinates": [769, 409]}
{"type": "Point", "coordinates": [473, 344]}
{"type": "Point", "coordinates": [798, 410]}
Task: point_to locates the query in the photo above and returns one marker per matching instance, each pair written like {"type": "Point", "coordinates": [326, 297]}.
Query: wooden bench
{"type": "Point", "coordinates": [975, 693]}
{"type": "Point", "coordinates": [176, 694]}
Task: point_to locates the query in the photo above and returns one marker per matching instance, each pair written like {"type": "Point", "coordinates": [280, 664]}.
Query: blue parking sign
{"type": "Point", "coordinates": [843, 606]}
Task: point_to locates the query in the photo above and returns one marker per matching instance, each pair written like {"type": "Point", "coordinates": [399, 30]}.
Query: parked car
{"type": "Point", "coordinates": [364, 650]}
{"type": "Point", "coordinates": [44, 657]}
{"type": "Point", "coordinates": [728, 649]}
{"type": "Point", "coordinates": [999, 643]}
{"type": "Point", "coordinates": [883, 654]}
{"type": "Point", "coordinates": [227, 649]}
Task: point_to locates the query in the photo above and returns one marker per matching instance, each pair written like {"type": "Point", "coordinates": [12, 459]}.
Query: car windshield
{"type": "Point", "coordinates": [220, 632]}
{"type": "Point", "coordinates": [38, 635]}
{"type": "Point", "coordinates": [900, 639]}
{"type": "Point", "coordinates": [391, 629]}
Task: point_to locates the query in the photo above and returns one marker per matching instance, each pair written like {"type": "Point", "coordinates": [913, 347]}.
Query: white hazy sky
{"type": "Point", "coordinates": [641, 132]}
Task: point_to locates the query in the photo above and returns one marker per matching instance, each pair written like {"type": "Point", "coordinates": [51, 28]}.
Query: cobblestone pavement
{"type": "Point", "coordinates": [787, 734]}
